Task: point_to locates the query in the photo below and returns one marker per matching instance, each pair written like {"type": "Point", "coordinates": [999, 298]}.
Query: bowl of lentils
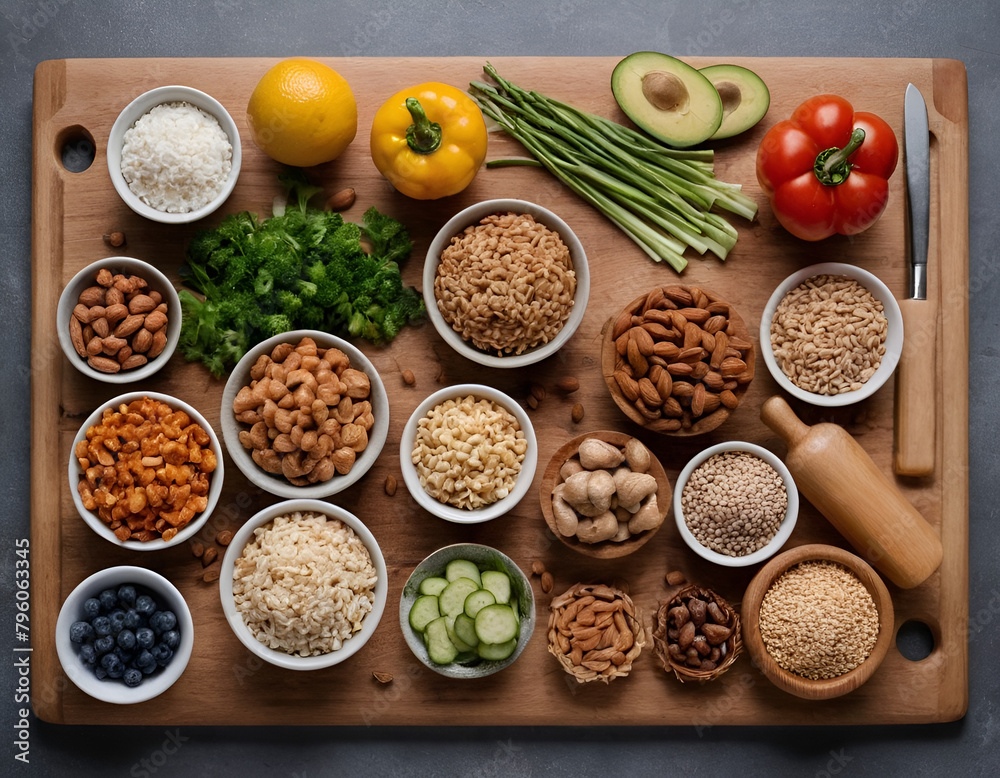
{"type": "Point", "coordinates": [735, 504]}
{"type": "Point", "coordinates": [817, 621]}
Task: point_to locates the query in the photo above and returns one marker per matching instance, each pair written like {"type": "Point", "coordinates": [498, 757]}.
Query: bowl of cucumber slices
{"type": "Point", "coordinates": [467, 611]}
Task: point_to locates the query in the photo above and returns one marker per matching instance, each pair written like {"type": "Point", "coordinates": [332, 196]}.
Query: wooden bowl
{"type": "Point", "coordinates": [656, 305]}
{"type": "Point", "coordinates": [791, 682]}
{"type": "Point", "coordinates": [606, 549]}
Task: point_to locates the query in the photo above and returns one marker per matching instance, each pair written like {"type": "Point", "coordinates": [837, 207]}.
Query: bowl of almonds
{"type": "Point", "coordinates": [696, 634]}
{"type": "Point", "coordinates": [677, 360]}
{"type": "Point", "coordinates": [604, 494]}
{"type": "Point", "coordinates": [119, 320]}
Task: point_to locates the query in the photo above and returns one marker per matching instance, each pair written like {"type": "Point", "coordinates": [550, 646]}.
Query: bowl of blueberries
{"type": "Point", "coordinates": [124, 635]}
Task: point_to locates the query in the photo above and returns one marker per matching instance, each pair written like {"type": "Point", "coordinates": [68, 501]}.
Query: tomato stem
{"type": "Point", "coordinates": [831, 166]}
{"type": "Point", "coordinates": [423, 136]}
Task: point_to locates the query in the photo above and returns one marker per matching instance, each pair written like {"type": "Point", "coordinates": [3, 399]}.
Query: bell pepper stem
{"type": "Point", "coordinates": [423, 136]}
{"type": "Point", "coordinates": [831, 166]}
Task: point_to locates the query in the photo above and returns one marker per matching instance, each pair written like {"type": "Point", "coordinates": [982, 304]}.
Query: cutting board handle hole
{"type": "Point", "coordinates": [76, 148]}
{"type": "Point", "coordinates": [915, 640]}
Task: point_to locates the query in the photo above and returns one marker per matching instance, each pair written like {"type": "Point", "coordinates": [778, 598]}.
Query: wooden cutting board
{"type": "Point", "coordinates": [76, 101]}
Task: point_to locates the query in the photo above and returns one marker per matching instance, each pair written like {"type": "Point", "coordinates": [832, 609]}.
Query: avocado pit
{"type": "Point", "coordinates": [666, 92]}
{"type": "Point", "coordinates": [731, 96]}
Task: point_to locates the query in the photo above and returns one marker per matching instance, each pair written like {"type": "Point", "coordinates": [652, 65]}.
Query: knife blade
{"type": "Point", "coordinates": [916, 387]}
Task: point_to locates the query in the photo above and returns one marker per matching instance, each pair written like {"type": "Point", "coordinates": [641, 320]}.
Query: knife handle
{"type": "Point", "coordinates": [915, 441]}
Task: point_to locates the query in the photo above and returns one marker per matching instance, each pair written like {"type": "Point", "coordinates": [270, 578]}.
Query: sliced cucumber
{"type": "Point", "coordinates": [451, 601]}
{"type": "Point", "coordinates": [494, 652]}
{"type": "Point", "coordinates": [496, 624]}
{"type": "Point", "coordinates": [440, 649]}
{"type": "Point", "coordinates": [462, 568]}
{"type": "Point", "coordinates": [498, 583]}
{"type": "Point", "coordinates": [478, 600]}
{"type": "Point", "coordinates": [465, 628]}
{"type": "Point", "coordinates": [424, 611]}
{"type": "Point", "coordinates": [433, 585]}
{"type": "Point", "coordinates": [460, 644]}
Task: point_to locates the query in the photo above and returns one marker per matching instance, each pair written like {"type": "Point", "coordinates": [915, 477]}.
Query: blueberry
{"type": "Point", "coordinates": [100, 672]}
{"type": "Point", "coordinates": [109, 600]}
{"type": "Point", "coordinates": [162, 653]}
{"type": "Point", "coordinates": [133, 619]}
{"type": "Point", "coordinates": [101, 625]}
{"type": "Point", "coordinates": [113, 665]}
{"type": "Point", "coordinates": [91, 608]}
{"type": "Point", "coordinates": [126, 640]}
{"type": "Point", "coordinates": [125, 656]}
{"type": "Point", "coordinates": [132, 677]}
{"type": "Point", "coordinates": [88, 654]}
{"type": "Point", "coordinates": [81, 632]}
{"type": "Point", "coordinates": [145, 637]}
{"type": "Point", "coordinates": [172, 638]}
{"type": "Point", "coordinates": [126, 594]}
{"type": "Point", "coordinates": [162, 621]}
{"type": "Point", "coordinates": [117, 621]}
{"type": "Point", "coordinates": [146, 662]}
{"type": "Point", "coordinates": [145, 605]}
{"type": "Point", "coordinates": [104, 645]}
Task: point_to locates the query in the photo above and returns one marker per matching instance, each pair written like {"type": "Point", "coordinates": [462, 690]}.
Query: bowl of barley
{"type": "Point", "coordinates": [831, 334]}
{"type": "Point", "coordinates": [506, 283]}
{"type": "Point", "coordinates": [677, 360]}
{"type": "Point", "coordinates": [817, 621]}
{"type": "Point", "coordinates": [468, 453]}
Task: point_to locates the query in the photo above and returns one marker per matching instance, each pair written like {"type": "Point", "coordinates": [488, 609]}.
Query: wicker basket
{"type": "Point", "coordinates": [666, 634]}
{"type": "Point", "coordinates": [589, 644]}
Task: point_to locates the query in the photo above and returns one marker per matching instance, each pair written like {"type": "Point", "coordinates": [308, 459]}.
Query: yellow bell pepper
{"type": "Point", "coordinates": [429, 141]}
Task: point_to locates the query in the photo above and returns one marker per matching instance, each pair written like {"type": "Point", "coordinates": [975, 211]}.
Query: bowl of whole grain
{"type": "Point", "coordinates": [319, 611]}
{"type": "Point", "coordinates": [604, 494]}
{"type": "Point", "coordinates": [735, 504]}
{"type": "Point", "coordinates": [146, 471]}
{"type": "Point", "coordinates": [304, 414]}
{"type": "Point", "coordinates": [817, 621]}
{"type": "Point", "coordinates": [831, 334]}
{"type": "Point", "coordinates": [468, 453]}
{"type": "Point", "coordinates": [677, 360]}
{"type": "Point", "coordinates": [174, 154]}
{"type": "Point", "coordinates": [506, 283]}
{"type": "Point", "coordinates": [118, 320]}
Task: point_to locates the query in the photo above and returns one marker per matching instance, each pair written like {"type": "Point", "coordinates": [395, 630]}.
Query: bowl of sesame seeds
{"type": "Point", "coordinates": [817, 621]}
{"type": "Point", "coordinates": [735, 504]}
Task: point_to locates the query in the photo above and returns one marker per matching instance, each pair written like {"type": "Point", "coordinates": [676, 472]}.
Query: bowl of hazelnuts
{"type": "Point", "coordinates": [604, 494]}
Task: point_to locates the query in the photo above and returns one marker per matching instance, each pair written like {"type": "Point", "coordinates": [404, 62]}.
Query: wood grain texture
{"type": "Point", "coordinates": [224, 684]}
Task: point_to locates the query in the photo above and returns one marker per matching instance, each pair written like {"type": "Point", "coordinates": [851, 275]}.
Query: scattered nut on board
{"type": "Point", "coordinates": [408, 378]}
{"type": "Point", "coordinates": [115, 239]}
{"type": "Point", "coordinates": [209, 556]}
{"type": "Point", "coordinates": [577, 413]}
{"type": "Point", "coordinates": [537, 391]}
{"type": "Point", "coordinates": [537, 567]}
{"type": "Point", "coordinates": [390, 485]}
{"type": "Point", "coordinates": [568, 385]}
{"type": "Point", "coordinates": [212, 574]}
{"type": "Point", "coordinates": [382, 677]}
{"type": "Point", "coordinates": [224, 538]}
{"type": "Point", "coordinates": [547, 582]}
{"type": "Point", "coordinates": [197, 549]}
{"type": "Point", "coordinates": [532, 402]}
{"type": "Point", "coordinates": [675, 578]}
{"type": "Point", "coordinates": [342, 200]}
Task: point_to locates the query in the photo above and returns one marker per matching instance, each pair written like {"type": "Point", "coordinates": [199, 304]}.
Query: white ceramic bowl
{"type": "Point", "coordinates": [277, 484]}
{"type": "Point", "coordinates": [488, 559]}
{"type": "Point", "coordinates": [86, 278]}
{"type": "Point", "coordinates": [471, 216]}
{"type": "Point", "coordinates": [893, 342]}
{"type": "Point", "coordinates": [133, 112]}
{"type": "Point", "coordinates": [784, 529]}
{"type": "Point", "coordinates": [109, 690]}
{"type": "Point", "coordinates": [449, 512]}
{"type": "Point", "coordinates": [216, 478]}
{"type": "Point", "coordinates": [280, 658]}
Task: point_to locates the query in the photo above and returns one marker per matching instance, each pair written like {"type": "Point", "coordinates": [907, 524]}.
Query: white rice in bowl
{"type": "Point", "coordinates": [304, 584]}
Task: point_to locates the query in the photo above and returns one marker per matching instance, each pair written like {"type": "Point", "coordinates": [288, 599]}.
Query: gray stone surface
{"type": "Point", "coordinates": [35, 30]}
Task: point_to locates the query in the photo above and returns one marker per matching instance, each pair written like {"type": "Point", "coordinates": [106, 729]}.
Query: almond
{"type": "Point", "coordinates": [104, 364]}
{"type": "Point", "coordinates": [130, 324]}
{"type": "Point", "coordinates": [568, 385]}
{"type": "Point", "coordinates": [576, 414]}
{"type": "Point", "coordinates": [342, 200]}
{"type": "Point", "coordinates": [155, 320]}
{"type": "Point", "coordinates": [76, 337]}
{"type": "Point", "coordinates": [134, 361]}
{"type": "Point", "coordinates": [141, 303]}
{"type": "Point", "coordinates": [91, 296]}
{"type": "Point", "coordinates": [142, 340]}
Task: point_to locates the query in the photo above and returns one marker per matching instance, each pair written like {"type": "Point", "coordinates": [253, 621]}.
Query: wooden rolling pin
{"type": "Point", "coordinates": [838, 477]}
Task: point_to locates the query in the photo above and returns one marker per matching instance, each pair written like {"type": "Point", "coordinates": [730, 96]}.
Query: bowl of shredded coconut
{"type": "Point", "coordinates": [174, 154]}
{"type": "Point", "coordinates": [304, 584]}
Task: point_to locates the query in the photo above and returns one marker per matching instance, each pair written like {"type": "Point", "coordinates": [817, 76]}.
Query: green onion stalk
{"type": "Point", "coordinates": [661, 198]}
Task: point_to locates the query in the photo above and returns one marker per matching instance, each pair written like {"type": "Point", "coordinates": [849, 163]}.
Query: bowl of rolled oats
{"type": "Point", "coordinates": [506, 283]}
{"type": "Point", "coordinates": [468, 453]}
{"type": "Point", "coordinates": [831, 334]}
{"type": "Point", "coordinates": [735, 504]}
{"type": "Point", "coordinates": [817, 621]}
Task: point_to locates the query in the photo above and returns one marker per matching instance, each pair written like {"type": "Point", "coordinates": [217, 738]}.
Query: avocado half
{"type": "Point", "coordinates": [667, 98]}
{"type": "Point", "coordinates": [745, 98]}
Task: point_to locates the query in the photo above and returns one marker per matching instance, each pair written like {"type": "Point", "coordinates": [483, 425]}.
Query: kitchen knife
{"type": "Point", "coordinates": [916, 388]}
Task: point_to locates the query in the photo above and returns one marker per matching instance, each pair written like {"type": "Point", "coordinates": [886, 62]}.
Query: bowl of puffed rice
{"type": "Point", "coordinates": [831, 334]}
{"type": "Point", "coordinates": [506, 283]}
{"type": "Point", "coordinates": [468, 453]}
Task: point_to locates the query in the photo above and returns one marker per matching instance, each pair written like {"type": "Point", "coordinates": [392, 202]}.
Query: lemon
{"type": "Point", "coordinates": [302, 113]}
